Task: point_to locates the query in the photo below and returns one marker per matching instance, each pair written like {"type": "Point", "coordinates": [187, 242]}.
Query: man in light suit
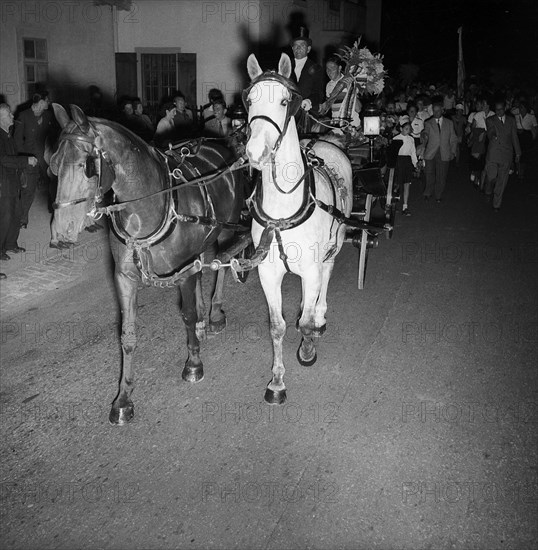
{"type": "Point", "coordinates": [503, 143]}
{"type": "Point", "coordinates": [441, 144]}
{"type": "Point", "coordinates": [308, 76]}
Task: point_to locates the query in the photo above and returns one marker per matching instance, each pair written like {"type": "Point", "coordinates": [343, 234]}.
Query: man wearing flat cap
{"type": "Point", "coordinates": [308, 76]}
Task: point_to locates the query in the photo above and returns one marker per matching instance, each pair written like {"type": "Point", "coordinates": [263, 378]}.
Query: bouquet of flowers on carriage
{"type": "Point", "coordinates": [363, 74]}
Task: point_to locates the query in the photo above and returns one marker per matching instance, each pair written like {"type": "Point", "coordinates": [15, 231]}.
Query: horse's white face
{"type": "Point", "coordinates": [268, 99]}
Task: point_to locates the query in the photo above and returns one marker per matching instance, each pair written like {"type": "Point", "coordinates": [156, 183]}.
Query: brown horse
{"type": "Point", "coordinates": [157, 236]}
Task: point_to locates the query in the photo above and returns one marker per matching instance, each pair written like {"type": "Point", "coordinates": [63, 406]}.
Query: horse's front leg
{"type": "Point", "coordinates": [271, 280]}
{"type": "Point", "coordinates": [127, 290]}
{"type": "Point", "coordinates": [306, 354]}
{"type": "Point", "coordinates": [200, 308]}
{"type": "Point", "coordinates": [320, 320]}
{"type": "Point", "coordinates": [194, 369]}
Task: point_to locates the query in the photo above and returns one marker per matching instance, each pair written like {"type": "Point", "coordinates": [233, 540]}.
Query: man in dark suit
{"type": "Point", "coordinates": [10, 186]}
{"type": "Point", "coordinates": [30, 133]}
{"type": "Point", "coordinates": [309, 78]}
{"type": "Point", "coordinates": [503, 143]}
{"type": "Point", "coordinates": [441, 143]}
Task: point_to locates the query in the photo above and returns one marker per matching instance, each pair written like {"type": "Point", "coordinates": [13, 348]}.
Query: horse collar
{"type": "Point", "coordinates": [299, 217]}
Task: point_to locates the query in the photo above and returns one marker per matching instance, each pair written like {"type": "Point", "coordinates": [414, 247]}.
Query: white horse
{"type": "Point", "coordinates": [289, 210]}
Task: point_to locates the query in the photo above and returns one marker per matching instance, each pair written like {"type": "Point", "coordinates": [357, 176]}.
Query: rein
{"type": "Point", "coordinates": [101, 154]}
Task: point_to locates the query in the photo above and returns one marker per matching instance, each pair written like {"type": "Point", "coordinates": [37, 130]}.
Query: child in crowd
{"type": "Point", "coordinates": [407, 161]}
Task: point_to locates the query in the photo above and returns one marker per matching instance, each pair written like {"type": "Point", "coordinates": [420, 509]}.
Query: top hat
{"type": "Point", "coordinates": [303, 35]}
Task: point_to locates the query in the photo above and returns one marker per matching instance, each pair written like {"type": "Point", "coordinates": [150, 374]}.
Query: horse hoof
{"type": "Point", "coordinates": [193, 374]}
{"type": "Point", "coordinates": [274, 397]}
{"type": "Point", "coordinates": [304, 363]}
{"type": "Point", "coordinates": [121, 415]}
{"type": "Point", "coordinates": [217, 327]}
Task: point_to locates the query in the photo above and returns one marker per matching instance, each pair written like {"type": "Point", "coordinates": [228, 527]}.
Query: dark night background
{"type": "Point", "coordinates": [500, 39]}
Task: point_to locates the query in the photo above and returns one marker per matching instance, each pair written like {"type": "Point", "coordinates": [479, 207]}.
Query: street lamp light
{"type": "Point", "coordinates": [372, 126]}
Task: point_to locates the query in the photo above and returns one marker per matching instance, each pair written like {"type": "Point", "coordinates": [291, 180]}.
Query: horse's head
{"type": "Point", "coordinates": [271, 100]}
{"type": "Point", "coordinates": [76, 163]}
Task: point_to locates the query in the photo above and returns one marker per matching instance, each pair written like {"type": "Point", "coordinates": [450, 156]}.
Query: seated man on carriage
{"type": "Point", "coordinates": [342, 105]}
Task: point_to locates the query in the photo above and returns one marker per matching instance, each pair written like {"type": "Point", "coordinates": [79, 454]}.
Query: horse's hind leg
{"type": "Point", "coordinates": [127, 290]}
{"type": "Point", "coordinates": [217, 317]}
{"type": "Point", "coordinates": [194, 369]}
{"type": "Point", "coordinates": [271, 281]}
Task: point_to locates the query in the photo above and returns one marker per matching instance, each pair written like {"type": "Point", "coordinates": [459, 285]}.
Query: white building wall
{"type": "Point", "coordinates": [80, 47]}
{"type": "Point", "coordinates": [223, 32]}
{"type": "Point", "coordinates": [217, 32]}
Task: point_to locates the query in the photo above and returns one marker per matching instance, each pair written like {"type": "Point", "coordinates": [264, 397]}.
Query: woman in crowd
{"type": "Point", "coordinates": [476, 129]}
{"type": "Point", "coordinates": [165, 132]}
{"type": "Point", "coordinates": [144, 125]}
{"type": "Point", "coordinates": [407, 161]}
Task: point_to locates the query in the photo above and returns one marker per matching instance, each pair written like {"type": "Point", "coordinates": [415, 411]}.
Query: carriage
{"type": "Point", "coordinates": [175, 212]}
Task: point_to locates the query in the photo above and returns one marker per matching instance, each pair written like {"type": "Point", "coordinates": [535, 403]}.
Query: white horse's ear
{"type": "Point", "coordinates": [80, 118]}
{"type": "Point", "coordinates": [61, 115]}
{"type": "Point", "coordinates": [284, 65]}
{"type": "Point", "coordinates": [253, 67]}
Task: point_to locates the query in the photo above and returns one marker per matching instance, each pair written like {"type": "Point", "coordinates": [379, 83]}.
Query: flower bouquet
{"type": "Point", "coordinates": [364, 73]}
{"type": "Point", "coordinates": [365, 68]}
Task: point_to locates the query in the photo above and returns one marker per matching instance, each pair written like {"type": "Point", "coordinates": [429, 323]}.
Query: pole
{"type": "Point", "coordinates": [461, 66]}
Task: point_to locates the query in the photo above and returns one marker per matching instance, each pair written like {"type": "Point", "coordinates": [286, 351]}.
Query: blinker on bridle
{"type": "Point", "coordinates": [90, 170]}
{"type": "Point", "coordinates": [292, 106]}
{"type": "Point", "coordinates": [291, 109]}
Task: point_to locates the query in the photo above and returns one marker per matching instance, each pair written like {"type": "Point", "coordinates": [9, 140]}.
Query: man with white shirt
{"type": "Point", "coordinates": [308, 76]}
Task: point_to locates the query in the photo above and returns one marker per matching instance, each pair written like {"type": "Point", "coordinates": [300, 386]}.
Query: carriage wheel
{"type": "Point", "coordinates": [390, 204]}
{"type": "Point", "coordinates": [363, 259]}
{"type": "Point", "coordinates": [363, 252]}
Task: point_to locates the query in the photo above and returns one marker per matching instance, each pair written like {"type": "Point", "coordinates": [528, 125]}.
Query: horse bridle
{"type": "Point", "coordinates": [292, 108]}
{"type": "Point", "coordinates": [89, 170]}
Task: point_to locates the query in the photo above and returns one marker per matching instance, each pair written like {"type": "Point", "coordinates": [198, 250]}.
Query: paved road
{"type": "Point", "coordinates": [416, 428]}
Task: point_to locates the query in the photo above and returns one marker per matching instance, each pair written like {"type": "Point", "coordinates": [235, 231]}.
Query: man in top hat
{"type": "Point", "coordinates": [308, 76]}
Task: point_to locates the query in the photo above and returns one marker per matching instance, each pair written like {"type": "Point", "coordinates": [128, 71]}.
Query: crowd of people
{"type": "Point", "coordinates": [497, 133]}
{"type": "Point", "coordinates": [431, 125]}
{"type": "Point", "coordinates": [174, 120]}
{"type": "Point", "coordinates": [497, 136]}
